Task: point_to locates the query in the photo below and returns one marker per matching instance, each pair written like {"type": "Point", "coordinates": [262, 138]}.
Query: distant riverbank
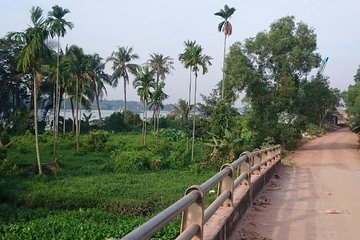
{"type": "Point", "coordinates": [95, 113]}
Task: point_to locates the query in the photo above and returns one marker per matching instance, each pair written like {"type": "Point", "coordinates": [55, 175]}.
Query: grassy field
{"type": "Point", "coordinates": [88, 198]}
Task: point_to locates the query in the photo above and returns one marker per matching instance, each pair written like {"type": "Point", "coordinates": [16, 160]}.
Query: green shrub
{"type": "Point", "coordinates": [116, 122]}
{"type": "Point", "coordinates": [97, 140]}
{"type": "Point", "coordinates": [3, 154]}
{"type": "Point", "coordinates": [172, 134]}
{"type": "Point", "coordinates": [313, 130]}
{"type": "Point", "coordinates": [132, 161]}
{"type": "Point", "coordinates": [23, 149]}
{"type": "Point", "coordinates": [268, 142]}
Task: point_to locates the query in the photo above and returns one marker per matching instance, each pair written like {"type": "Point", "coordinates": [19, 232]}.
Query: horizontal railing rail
{"type": "Point", "coordinates": [191, 206]}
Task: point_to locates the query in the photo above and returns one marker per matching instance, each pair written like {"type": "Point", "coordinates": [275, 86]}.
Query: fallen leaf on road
{"type": "Point", "coordinates": [333, 211]}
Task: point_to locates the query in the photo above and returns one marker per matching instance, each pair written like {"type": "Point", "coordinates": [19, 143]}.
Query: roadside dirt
{"type": "Point", "coordinates": [318, 198]}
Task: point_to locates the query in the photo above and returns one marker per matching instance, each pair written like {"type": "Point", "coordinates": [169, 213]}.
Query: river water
{"type": "Point", "coordinates": [95, 114]}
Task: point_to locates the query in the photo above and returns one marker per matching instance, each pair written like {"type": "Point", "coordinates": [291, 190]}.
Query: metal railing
{"type": "Point", "coordinates": [194, 216]}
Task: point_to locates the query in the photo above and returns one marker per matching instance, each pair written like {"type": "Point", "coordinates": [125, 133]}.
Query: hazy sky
{"type": "Point", "coordinates": [163, 25]}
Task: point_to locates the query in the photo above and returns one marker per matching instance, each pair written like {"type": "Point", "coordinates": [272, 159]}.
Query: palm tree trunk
{"type": "Point", "coordinates": [64, 125]}
{"type": "Point", "coordinates": [36, 126]}
{"type": "Point", "coordinates": [154, 119]}
{"type": "Point", "coordinates": [223, 70]}
{"type": "Point", "coordinates": [54, 110]}
{"type": "Point", "coordinates": [194, 115]}
{"type": "Point", "coordinates": [125, 101]}
{"type": "Point", "coordinates": [98, 104]}
{"type": "Point", "coordinates": [76, 114]}
{"type": "Point", "coordinates": [145, 122]}
{"type": "Point", "coordinates": [158, 123]}
{"type": "Point", "coordinates": [79, 120]}
{"type": "Point", "coordinates": [189, 103]}
{"type": "Point", "coordinates": [57, 96]}
{"type": "Point", "coordinates": [73, 115]}
{"type": "Point", "coordinates": [59, 109]}
{"type": "Point", "coordinates": [32, 97]}
{"type": "Point", "coordinates": [189, 107]}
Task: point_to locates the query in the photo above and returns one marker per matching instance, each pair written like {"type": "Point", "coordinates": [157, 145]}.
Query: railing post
{"type": "Point", "coordinates": [278, 151]}
{"type": "Point", "coordinates": [194, 214]}
{"type": "Point", "coordinates": [257, 160]}
{"type": "Point", "coordinates": [263, 157]}
{"type": "Point", "coordinates": [227, 184]}
{"type": "Point", "coordinates": [245, 167]}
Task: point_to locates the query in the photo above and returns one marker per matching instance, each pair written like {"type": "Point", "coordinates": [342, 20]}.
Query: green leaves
{"type": "Point", "coordinates": [225, 25]}
{"type": "Point", "coordinates": [273, 69]}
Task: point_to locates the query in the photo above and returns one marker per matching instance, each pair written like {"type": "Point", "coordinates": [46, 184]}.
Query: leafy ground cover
{"type": "Point", "coordinates": [88, 198]}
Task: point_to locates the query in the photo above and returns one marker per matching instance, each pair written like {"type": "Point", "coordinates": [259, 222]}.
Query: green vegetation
{"type": "Point", "coordinates": [103, 178]}
{"type": "Point", "coordinates": [352, 101]}
{"type": "Point", "coordinates": [94, 193]}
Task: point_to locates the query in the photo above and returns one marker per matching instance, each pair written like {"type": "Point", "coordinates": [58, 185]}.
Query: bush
{"type": "Point", "coordinates": [313, 130]}
{"type": "Point", "coordinates": [172, 134]}
{"type": "Point", "coordinates": [3, 154]}
{"type": "Point", "coordinates": [133, 119]}
{"type": "Point", "coordinates": [268, 142]}
{"type": "Point", "coordinates": [132, 161]}
{"type": "Point", "coordinates": [116, 122]}
{"type": "Point", "coordinates": [97, 140]}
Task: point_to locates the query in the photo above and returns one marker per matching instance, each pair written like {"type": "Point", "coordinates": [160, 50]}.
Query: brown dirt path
{"type": "Point", "coordinates": [318, 198]}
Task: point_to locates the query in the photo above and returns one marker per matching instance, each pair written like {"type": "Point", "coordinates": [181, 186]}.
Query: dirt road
{"type": "Point", "coordinates": [318, 198]}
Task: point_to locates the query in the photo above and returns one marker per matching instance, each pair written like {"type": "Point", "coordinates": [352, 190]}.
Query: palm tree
{"type": "Point", "coordinates": [161, 65]}
{"type": "Point", "coordinates": [181, 110]}
{"type": "Point", "coordinates": [143, 82]}
{"type": "Point", "coordinates": [32, 57]}
{"type": "Point", "coordinates": [77, 68]}
{"type": "Point", "coordinates": [226, 27]}
{"type": "Point", "coordinates": [99, 78]}
{"type": "Point", "coordinates": [57, 26]}
{"type": "Point", "coordinates": [157, 99]}
{"type": "Point", "coordinates": [196, 60]}
{"type": "Point", "coordinates": [121, 65]}
{"type": "Point", "coordinates": [184, 58]}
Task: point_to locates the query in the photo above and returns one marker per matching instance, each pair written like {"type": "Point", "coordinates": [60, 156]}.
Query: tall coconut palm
{"type": "Point", "coordinates": [99, 78]}
{"type": "Point", "coordinates": [57, 26]}
{"type": "Point", "coordinates": [184, 58]}
{"type": "Point", "coordinates": [144, 82]}
{"type": "Point", "coordinates": [197, 59]}
{"type": "Point", "coordinates": [32, 56]}
{"type": "Point", "coordinates": [121, 65]}
{"type": "Point", "coordinates": [226, 27]}
{"type": "Point", "coordinates": [157, 99]}
{"type": "Point", "coordinates": [76, 65]}
{"type": "Point", "coordinates": [161, 65]}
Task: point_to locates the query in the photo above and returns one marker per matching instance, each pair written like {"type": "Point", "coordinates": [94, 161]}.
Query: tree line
{"type": "Point", "coordinates": [273, 69]}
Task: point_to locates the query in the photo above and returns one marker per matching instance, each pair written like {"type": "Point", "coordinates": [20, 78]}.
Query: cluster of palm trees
{"type": "Point", "coordinates": [149, 80]}
{"type": "Point", "coordinates": [75, 74]}
{"type": "Point", "coordinates": [81, 77]}
{"type": "Point", "coordinates": [36, 54]}
{"type": "Point", "coordinates": [194, 58]}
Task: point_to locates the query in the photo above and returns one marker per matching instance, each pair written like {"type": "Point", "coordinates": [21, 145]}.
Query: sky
{"type": "Point", "coordinates": [162, 26]}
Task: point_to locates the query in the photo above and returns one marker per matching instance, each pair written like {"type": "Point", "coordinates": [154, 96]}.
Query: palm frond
{"type": "Point", "coordinates": [220, 26]}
